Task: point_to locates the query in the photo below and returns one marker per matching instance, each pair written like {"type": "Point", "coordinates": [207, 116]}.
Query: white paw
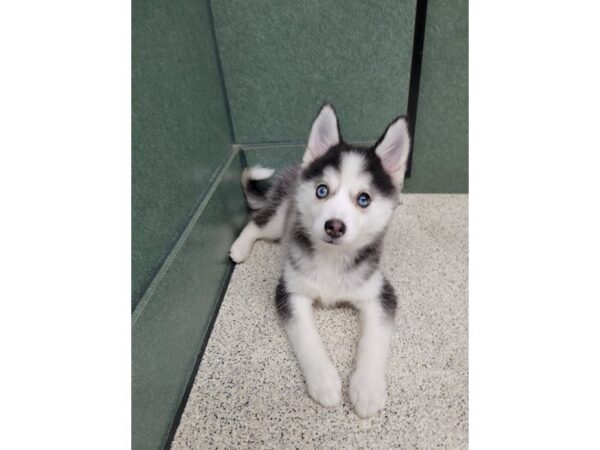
{"type": "Point", "coordinates": [240, 250]}
{"type": "Point", "coordinates": [368, 393]}
{"type": "Point", "coordinates": [324, 385]}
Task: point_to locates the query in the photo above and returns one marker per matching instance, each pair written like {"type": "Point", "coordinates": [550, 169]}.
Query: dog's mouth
{"type": "Point", "coordinates": [330, 240]}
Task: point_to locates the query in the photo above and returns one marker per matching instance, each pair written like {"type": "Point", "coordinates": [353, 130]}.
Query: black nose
{"type": "Point", "coordinates": [335, 228]}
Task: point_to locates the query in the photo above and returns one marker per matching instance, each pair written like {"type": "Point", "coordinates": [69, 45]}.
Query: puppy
{"type": "Point", "coordinates": [331, 213]}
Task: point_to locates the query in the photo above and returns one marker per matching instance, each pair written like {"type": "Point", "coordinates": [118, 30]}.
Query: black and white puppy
{"type": "Point", "coordinates": [331, 213]}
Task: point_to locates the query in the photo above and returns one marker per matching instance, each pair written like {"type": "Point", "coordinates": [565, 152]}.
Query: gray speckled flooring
{"type": "Point", "coordinates": [249, 392]}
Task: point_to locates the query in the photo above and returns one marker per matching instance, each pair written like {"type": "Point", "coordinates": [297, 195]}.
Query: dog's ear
{"type": "Point", "coordinates": [324, 134]}
{"type": "Point", "coordinates": [393, 148]}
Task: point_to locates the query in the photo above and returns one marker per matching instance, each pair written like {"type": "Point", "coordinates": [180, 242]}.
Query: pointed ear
{"type": "Point", "coordinates": [324, 134]}
{"type": "Point", "coordinates": [393, 148]}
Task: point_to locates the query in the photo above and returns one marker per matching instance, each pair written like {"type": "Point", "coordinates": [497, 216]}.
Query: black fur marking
{"type": "Point", "coordinates": [381, 180]}
{"type": "Point", "coordinates": [300, 237]}
{"type": "Point", "coordinates": [294, 261]}
{"type": "Point", "coordinates": [388, 299]}
{"type": "Point", "coordinates": [281, 189]}
{"type": "Point", "coordinates": [282, 298]}
{"type": "Point", "coordinates": [276, 196]}
{"type": "Point", "coordinates": [252, 190]}
{"type": "Point", "coordinates": [368, 255]}
{"type": "Point", "coordinates": [333, 158]}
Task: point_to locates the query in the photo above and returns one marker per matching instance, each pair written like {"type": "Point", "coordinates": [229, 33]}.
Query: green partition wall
{"type": "Point", "coordinates": [180, 129]}
{"type": "Point", "coordinates": [283, 59]}
{"type": "Point", "coordinates": [441, 141]}
{"type": "Point", "coordinates": [223, 83]}
{"type": "Point", "coordinates": [173, 321]}
{"type": "Point", "coordinates": [187, 204]}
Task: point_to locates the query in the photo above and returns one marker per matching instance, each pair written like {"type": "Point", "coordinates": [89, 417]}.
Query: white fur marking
{"type": "Point", "coordinates": [323, 134]}
{"type": "Point", "coordinates": [393, 150]}
{"type": "Point", "coordinates": [260, 173]}
{"type": "Point", "coordinates": [368, 391]}
{"type": "Point", "coordinates": [322, 380]}
{"type": "Point", "coordinates": [241, 248]}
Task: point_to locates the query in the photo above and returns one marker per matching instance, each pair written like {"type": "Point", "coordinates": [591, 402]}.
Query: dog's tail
{"type": "Point", "coordinates": [255, 197]}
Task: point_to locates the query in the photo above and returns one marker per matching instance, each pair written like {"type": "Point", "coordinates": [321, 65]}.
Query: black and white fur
{"type": "Point", "coordinates": [333, 263]}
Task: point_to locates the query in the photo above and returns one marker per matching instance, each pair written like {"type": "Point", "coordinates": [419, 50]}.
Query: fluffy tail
{"type": "Point", "coordinates": [254, 196]}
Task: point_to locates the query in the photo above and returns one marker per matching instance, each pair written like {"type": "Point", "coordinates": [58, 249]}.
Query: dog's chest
{"type": "Point", "coordinates": [327, 278]}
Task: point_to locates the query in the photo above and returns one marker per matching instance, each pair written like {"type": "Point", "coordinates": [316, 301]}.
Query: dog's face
{"type": "Point", "coordinates": [347, 194]}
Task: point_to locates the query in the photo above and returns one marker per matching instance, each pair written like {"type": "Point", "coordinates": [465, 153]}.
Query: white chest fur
{"type": "Point", "coordinates": [325, 276]}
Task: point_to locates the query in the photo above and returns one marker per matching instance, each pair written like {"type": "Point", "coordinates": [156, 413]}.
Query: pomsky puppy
{"type": "Point", "coordinates": [331, 213]}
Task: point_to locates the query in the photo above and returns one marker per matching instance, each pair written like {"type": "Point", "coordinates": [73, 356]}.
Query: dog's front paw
{"type": "Point", "coordinates": [368, 393]}
{"type": "Point", "coordinates": [240, 250]}
{"type": "Point", "coordinates": [324, 385]}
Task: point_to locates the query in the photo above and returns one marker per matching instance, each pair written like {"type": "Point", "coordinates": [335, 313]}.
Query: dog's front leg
{"type": "Point", "coordinates": [322, 380]}
{"type": "Point", "coordinates": [368, 389]}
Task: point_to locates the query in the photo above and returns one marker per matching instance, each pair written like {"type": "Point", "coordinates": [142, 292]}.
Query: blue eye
{"type": "Point", "coordinates": [363, 200]}
{"type": "Point", "coordinates": [322, 191]}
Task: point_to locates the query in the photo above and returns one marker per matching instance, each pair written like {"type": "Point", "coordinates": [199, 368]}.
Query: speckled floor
{"type": "Point", "coordinates": [249, 392]}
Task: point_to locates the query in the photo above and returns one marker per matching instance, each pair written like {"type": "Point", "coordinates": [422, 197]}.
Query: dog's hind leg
{"type": "Point", "coordinates": [268, 217]}
{"type": "Point", "coordinates": [240, 250]}
{"type": "Point", "coordinates": [260, 227]}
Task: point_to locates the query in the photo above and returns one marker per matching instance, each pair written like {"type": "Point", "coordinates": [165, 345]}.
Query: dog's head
{"type": "Point", "coordinates": [347, 194]}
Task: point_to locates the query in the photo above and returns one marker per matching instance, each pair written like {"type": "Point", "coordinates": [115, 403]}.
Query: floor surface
{"type": "Point", "coordinates": [249, 392]}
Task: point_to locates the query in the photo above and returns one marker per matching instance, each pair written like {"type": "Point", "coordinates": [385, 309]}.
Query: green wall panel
{"type": "Point", "coordinates": [440, 158]}
{"type": "Point", "coordinates": [275, 157]}
{"type": "Point", "coordinates": [180, 128]}
{"type": "Point", "coordinates": [283, 59]}
{"type": "Point", "coordinates": [169, 330]}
